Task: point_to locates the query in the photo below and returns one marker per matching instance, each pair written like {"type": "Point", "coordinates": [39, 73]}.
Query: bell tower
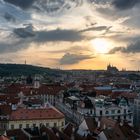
{"type": "Point", "coordinates": [37, 81]}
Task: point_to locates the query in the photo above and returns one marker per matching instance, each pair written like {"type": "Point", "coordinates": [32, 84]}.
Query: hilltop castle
{"type": "Point", "coordinates": [112, 69]}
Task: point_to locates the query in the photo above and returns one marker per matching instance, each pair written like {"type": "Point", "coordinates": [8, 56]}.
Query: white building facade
{"type": "Point", "coordinates": [137, 112]}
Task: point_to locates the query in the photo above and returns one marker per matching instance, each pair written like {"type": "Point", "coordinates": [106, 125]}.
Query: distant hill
{"type": "Point", "coordinates": [21, 69]}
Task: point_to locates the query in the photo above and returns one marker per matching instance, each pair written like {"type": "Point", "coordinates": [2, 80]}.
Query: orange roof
{"type": "Point", "coordinates": [87, 87]}
{"type": "Point", "coordinates": [5, 109]}
{"type": "Point", "coordinates": [14, 88]}
{"type": "Point", "coordinates": [50, 89]}
{"type": "Point", "coordinates": [107, 122]}
{"type": "Point", "coordinates": [124, 94]}
{"type": "Point", "coordinates": [35, 114]}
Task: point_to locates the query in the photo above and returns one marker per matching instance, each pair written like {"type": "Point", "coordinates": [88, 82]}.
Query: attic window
{"type": "Point", "coordinates": [110, 136]}
{"type": "Point", "coordinates": [128, 133]}
{"type": "Point", "coordinates": [117, 135]}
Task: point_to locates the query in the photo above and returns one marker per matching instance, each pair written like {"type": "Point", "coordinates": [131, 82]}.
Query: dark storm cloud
{"type": "Point", "coordinates": [24, 32]}
{"type": "Point", "coordinates": [97, 28]}
{"type": "Point", "coordinates": [72, 49]}
{"type": "Point", "coordinates": [69, 59]}
{"type": "Point", "coordinates": [11, 46]}
{"type": "Point", "coordinates": [21, 38]}
{"type": "Point", "coordinates": [116, 49]}
{"type": "Point", "coordinates": [125, 4]}
{"type": "Point", "coordinates": [51, 35]}
{"type": "Point", "coordinates": [59, 35]}
{"type": "Point", "coordinates": [9, 17]}
{"type": "Point", "coordinates": [131, 48]}
{"type": "Point", "coordinates": [21, 3]}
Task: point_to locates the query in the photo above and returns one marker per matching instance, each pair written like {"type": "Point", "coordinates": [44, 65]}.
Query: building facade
{"type": "Point", "coordinates": [137, 112]}
{"type": "Point", "coordinates": [102, 108]}
{"type": "Point", "coordinates": [30, 118]}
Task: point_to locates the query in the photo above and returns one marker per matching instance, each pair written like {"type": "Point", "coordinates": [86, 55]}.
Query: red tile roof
{"type": "Point", "coordinates": [68, 130]}
{"type": "Point", "coordinates": [87, 88]}
{"type": "Point", "coordinates": [35, 114]}
{"type": "Point", "coordinates": [17, 133]}
{"type": "Point", "coordinates": [4, 138]}
{"type": "Point", "coordinates": [50, 89]}
{"type": "Point", "coordinates": [91, 124]}
{"type": "Point", "coordinates": [124, 94]}
{"type": "Point", "coordinates": [14, 88]}
{"type": "Point", "coordinates": [107, 122]}
{"type": "Point", "coordinates": [62, 135]}
{"type": "Point", "coordinates": [5, 109]}
{"type": "Point", "coordinates": [49, 132]}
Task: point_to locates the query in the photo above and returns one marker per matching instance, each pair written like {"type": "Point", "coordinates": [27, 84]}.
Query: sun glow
{"type": "Point", "coordinates": [101, 45]}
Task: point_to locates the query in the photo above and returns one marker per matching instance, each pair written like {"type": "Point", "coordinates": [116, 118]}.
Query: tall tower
{"type": "Point", "coordinates": [108, 66]}
{"type": "Point", "coordinates": [25, 62]}
{"type": "Point", "coordinates": [37, 81]}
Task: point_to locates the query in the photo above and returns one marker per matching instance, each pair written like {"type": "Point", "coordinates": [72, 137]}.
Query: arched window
{"type": "Point", "coordinates": [107, 112]}
{"type": "Point", "coordinates": [119, 111]}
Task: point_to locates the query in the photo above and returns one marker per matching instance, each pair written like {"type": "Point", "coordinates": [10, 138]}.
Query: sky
{"type": "Point", "coordinates": [71, 34]}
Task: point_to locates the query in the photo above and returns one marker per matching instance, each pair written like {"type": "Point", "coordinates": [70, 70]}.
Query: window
{"type": "Point", "coordinates": [20, 126]}
{"type": "Point", "coordinates": [34, 125]}
{"type": "Point", "coordinates": [124, 117]}
{"type": "Point", "coordinates": [119, 117]}
{"type": "Point", "coordinates": [91, 111]}
{"type": "Point", "coordinates": [41, 125]}
{"type": "Point", "coordinates": [62, 123]}
{"type": "Point", "coordinates": [27, 125]}
{"type": "Point", "coordinates": [101, 113]}
{"type": "Point", "coordinates": [124, 111]}
{"type": "Point", "coordinates": [112, 111]}
{"type": "Point", "coordinates": [12, 126]}
{"type": "Point", "coordinates": [117, 134]}
{"type": "Point", "coordinates": [3, 125]}
{"type": "Point", "coordinates": [107, 112]}
{"type": "Point", "coordinates": [119, 111]}
{"type": "Point", "coordinates": [47, 124]}
{"type": "Point", "coordinates": [55, 124]}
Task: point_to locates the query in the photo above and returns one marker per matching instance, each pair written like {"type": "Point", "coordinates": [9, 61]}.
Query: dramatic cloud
{"type": "Point", "coordinates": [56, 29]}
{"type": "Point", "coordinates": [97, 28]}
{"type": "Point", "coordinates": [21, 38]}
{"type": "Point", "coordinates": [51, 35]}
{"type": "Point", "coordinates": [24, 32]}
{"type": "Point", "coordinates": [21, 3]}
{"type": "Point", "coordinates": [11, 46]}
{"type": "Point", "coordinates": [131, 48]}
{"type": "Point", "coordinates": [59, 35]}
{"type": "Point", "coordinates": [9, 17]}
{"type": "Point", "coordinates": [69, 58]}
{"type": "Point", "coordinates": [125, 4]}
{"type": "Point", "coordinates": [116, 49]}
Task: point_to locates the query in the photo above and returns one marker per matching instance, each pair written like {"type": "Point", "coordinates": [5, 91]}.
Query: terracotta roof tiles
{"type": "Point", "coordinates": [35, 114]}
{"type": "Point", "coordinates": [4, 138]}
